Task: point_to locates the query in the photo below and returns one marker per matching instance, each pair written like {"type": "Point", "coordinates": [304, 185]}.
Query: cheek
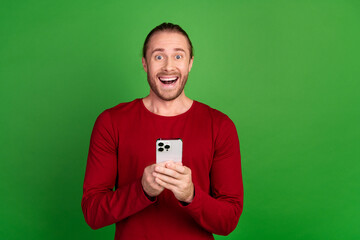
{"type": "Point", "coordinates": [154, 68]}
{"type": "Point", "coordinates": [184, 68]}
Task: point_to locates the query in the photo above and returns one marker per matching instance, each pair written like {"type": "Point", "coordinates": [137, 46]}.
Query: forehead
{"type": "Point", "coordinates": [168, 41]}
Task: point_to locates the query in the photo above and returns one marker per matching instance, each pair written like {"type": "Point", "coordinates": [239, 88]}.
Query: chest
{"type": "Point", "coordinates": [137, 146]}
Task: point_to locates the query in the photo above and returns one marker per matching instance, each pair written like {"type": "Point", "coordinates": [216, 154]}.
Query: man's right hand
{"type": "Point", "coordinates": [149, 185]}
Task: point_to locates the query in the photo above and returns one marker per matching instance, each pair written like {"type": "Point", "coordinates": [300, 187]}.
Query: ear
{"type": "Point", "coordinates": [191, 63]}
{"type": "Point", "coordinates": [143, 60]}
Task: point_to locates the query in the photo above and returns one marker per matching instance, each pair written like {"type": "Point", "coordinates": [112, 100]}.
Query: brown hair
{"type": "Point", "coordinates": [170, 28]}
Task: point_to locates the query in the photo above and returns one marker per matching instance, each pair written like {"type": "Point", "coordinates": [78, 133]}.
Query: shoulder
{"type": "Point", "coordinates": [117, 113]}
{"type": "Point", "coordinates": [224, 132]}
{"type": "Point", "coordinates": [122, 109]}
{"type": "Point", "coordinates": [216, 115]}
{"type": "Point", "coordinates": [125, 107]}
{"type": "Point", "coordinates": [222, 126]}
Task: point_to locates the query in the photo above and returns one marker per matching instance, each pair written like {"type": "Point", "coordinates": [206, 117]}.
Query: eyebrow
{"type": "Point", "coordinates": [158, 50]}
{"type": "Point", "coordinates": [163, 50]}
{"type": "Point", "coordinates": [179, 49]}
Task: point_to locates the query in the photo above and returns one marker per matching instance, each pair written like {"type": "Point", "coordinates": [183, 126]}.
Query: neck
{"type": "Point", "coordinates": [167, 108]}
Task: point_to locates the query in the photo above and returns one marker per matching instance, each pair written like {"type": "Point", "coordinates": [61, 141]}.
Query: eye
{"type": "Point", "coordinates": [178, 56]}
{"type": "Point", "coordinates": [158, 57]}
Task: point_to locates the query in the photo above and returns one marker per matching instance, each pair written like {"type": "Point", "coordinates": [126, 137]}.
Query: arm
{"type": "Point", "coordinates": [100, 204]}
{"type": "Point", "coordinates": [220, 211]}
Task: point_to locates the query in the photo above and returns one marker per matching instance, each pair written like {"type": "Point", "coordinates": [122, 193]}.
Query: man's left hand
{"type": "Point", "coordinates": [176, 178]}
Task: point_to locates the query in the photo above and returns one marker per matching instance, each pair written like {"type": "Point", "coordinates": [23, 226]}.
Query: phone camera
{"type": "Point", "coordinates": [167, 147]}
{"type": "Point", "coordinates": [160, 144]}
{"type": "Point", "coordinates": [160, 149]}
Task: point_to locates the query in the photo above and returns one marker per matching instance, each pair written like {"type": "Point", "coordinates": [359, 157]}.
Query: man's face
{"type": "Point", "coordinates": [167, 64]}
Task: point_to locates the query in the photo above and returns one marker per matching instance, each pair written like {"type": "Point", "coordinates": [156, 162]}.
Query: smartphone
{"type": "Point", "coordinates": [169, 149]}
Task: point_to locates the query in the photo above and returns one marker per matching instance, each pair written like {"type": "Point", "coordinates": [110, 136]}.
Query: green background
{"type": "Point", "coordinates": [286, 72]}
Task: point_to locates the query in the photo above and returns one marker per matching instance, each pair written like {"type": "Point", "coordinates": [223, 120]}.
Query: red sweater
{"type": "Point", "coordinates": [123, 144]}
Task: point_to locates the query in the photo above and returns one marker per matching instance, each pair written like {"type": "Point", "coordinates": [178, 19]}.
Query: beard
{"type": "Point", "coordinates": [167, 95]}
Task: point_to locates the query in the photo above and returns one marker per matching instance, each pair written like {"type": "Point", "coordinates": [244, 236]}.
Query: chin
{"type": "Point", "coordinates": [167, 95]}
{"type": "Point", "coordinates": [168, 98]}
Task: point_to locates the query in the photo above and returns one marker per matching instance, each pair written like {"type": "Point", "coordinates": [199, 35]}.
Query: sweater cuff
{"type": "Point", "coordinates": [147, 197]}
{"type": "Point", "coordinates": [197, 202]}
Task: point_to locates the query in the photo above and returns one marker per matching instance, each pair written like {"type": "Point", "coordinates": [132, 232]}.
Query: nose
{"type": "Point", "coordinates": [169, 65]}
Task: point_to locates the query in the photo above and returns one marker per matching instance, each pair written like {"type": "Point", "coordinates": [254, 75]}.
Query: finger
{"type": "Point", "coordinates": [179, 163]}
{"type": "Point", "coordinates": [178, 168]}
{"type": "Point", "coordinates": [164, 184]}
{"type": "Point", "coordinates": [164, 163]}
{"type": "Point", "coordinates": [151, 183]}
{"type": "Point", "coordinates": [167, 171]}
{"type": "Point", "coordinates": [161, 164]}
{"type": "Point", "coordinates": [167, 179]}
{"type": "Point", "coordinates": [157, 187]}
{"type": "Point", "coordinates": [154, 187]}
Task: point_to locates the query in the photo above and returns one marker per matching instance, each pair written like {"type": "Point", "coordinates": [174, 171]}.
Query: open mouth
{"type": "Point", "coordinates": [168, 80]}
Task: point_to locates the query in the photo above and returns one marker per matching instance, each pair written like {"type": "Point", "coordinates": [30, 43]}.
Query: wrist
{"type": "Point", "coordinates": [191, 197]}
{"type": "Point", "coordinates": [152, 199]}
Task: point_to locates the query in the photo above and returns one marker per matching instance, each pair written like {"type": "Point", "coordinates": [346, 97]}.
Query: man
{"type": "Point", "coordinates": [191, 200]}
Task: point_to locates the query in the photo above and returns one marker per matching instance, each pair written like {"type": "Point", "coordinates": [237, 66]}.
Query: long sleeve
{"type": "Point", "coordinates": [219, 211]}
{"type": "Point", "coordinates": [102, 205]}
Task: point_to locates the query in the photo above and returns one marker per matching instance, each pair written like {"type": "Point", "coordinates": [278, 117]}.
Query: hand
{"type": "Point", "coordinates": [176, 178]}
{"type": "Point", "coordinates": [149, 185]}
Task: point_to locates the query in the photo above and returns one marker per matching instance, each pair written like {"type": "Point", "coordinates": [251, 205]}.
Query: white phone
{"type": "Point", "coordinates": [169, 149]}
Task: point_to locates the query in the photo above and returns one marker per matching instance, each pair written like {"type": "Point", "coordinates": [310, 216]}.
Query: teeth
{"type": "Point", "coordinates": [167, 78]}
